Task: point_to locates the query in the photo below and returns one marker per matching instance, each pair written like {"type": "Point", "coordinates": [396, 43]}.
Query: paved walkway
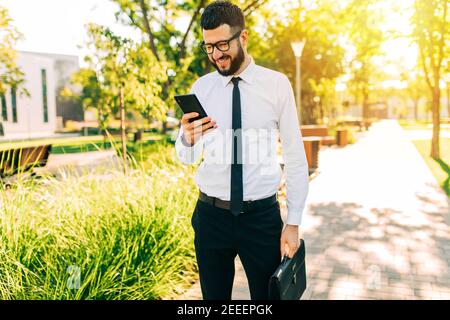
{"type": "Point", "coordinates": [376, 226]}
{"type": "Point", "coordinates": [426, 134]}
{"type": "Point", "coordinates": [78, 163]}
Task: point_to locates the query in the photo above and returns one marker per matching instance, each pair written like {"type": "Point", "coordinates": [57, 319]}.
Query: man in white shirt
{"type": "Point", "coordinates": [238, 212]}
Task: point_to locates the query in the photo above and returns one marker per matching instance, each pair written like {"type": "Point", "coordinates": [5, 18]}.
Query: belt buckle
{"type": "Point", "coordinates": [249, 203]}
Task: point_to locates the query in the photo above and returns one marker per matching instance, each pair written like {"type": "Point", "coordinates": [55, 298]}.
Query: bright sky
{"type": "Point", "coordinates": [57, 26]}
{"type": "Point", "coordinates": [401, 53]}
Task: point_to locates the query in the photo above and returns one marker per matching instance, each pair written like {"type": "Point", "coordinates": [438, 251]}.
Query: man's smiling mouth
{"type": "Point", "coordinates": [222, 59]}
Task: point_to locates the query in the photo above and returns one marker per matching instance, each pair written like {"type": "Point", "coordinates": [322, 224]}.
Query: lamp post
{"type": "Point", "coordinates": [297, 47]}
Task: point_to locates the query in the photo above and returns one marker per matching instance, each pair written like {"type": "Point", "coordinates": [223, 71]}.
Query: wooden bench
{"type": "Point", "coordinates": [17, 160]}
{"type": "Point", "coordinates": [319, 131]}
{"type": "Point", "coordinates": [361, 124]}
{"type": "Point", "coordinates": [312, 146]}
{"type": "Point", "coordinates": [341, 137]}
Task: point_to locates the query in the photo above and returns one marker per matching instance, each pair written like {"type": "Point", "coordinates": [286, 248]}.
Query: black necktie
{"type": "Point", "coordinates": [237, 185]}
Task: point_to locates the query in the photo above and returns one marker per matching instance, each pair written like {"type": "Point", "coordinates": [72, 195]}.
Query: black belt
{"type": "Point", "coordinates": [247, 205]}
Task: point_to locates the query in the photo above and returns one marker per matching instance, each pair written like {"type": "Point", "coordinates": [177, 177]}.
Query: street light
{"type": "Point", "coordinates": [297, 47]}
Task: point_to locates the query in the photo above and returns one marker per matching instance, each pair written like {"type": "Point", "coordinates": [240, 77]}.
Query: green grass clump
{"type": "Point", "coordinates": [100, 235]}
{"type": "Point", "coordinates": [439, 168]}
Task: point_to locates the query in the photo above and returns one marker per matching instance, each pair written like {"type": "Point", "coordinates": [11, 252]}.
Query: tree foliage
{"type": "Point", "coordinates": [322, 59]}
{"type": "Point", "coordinates": [172, 42]}
{"type": "Point", "coordinates": [10, 73]}
{"type": "Point", "coordinates": [364, 19]}
{"type": "Point", "coordinates": [117, 63]}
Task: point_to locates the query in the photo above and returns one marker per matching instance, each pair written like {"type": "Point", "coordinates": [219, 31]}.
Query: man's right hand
{"type": "Point", "coordinates": [194, 130]}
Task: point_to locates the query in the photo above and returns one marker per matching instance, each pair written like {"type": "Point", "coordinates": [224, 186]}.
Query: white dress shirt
{"type": "Point", "coordinates": [268, 113]}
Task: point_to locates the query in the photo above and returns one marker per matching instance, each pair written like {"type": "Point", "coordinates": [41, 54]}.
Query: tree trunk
{"type": "Point", "coordinates": [448, 99]}
{"type": "Point", "coordinates": [435, 154]}
{"type": "Point", "coordinates": [193, 18]}
{"type": "Point", "coordinates": [100, 120]}
{"type": "Point", "coordinates": [165, 94]}
{"type": "Point", "coordinates": [365, 106]}
{"type": "Point", "coordinates": [151, 37]}
{"type": "Point", "coordinates": [122, 129]}
{"type": "Point", "coordinates": [101, 125]}
{"type": "Point", "coordinates": [416, 109]}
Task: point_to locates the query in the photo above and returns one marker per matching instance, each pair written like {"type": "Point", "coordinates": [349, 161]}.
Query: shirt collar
{"type": "Point", "coordinates": [246, 75]}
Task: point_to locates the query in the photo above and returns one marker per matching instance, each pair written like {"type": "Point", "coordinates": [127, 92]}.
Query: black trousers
{"type": "Point", "coordinates": [220, 236]}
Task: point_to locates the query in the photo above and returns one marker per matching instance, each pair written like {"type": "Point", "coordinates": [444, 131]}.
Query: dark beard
{"type": "Point", "coordinates": [235, 63]}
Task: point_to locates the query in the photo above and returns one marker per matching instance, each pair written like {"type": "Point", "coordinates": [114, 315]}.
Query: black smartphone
{"type": "Point", "coordinates": [189, 103]}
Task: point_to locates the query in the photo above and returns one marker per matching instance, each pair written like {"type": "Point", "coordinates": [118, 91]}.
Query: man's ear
{"type": "Point", "coordinates": [244, 38]}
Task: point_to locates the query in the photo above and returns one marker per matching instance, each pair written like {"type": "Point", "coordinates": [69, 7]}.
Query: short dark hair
{"type": "Point", "coordinates": [222, 12]}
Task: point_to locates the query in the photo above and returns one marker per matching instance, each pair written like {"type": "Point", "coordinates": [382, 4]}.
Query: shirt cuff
{"type": "Point", "coordinates": [294, 218]}
{"type": "Point", "coordinates": [185, 143]}
{"type": "Point", "coordinates": [188, 154]}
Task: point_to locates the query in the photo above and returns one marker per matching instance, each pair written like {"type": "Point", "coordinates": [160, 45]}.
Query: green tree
{"type": "Point", "coordinates": [92, 96]}
{"type": "Point", "coordinates": [364, 19]}
{"type": "Point", "coordinates": [116, 62]}
{"type": "Point", "coordinates": [415, 88]}
{"type": "Point", "coordinates": [322, 58]}
{"type": "Point", "coordinates": [178, 49]}
{"type": "Point", "coordinates": [155, 20]}
{"type": "Point", "coordinates": [432, 35]}
{"type": "Point", "coordinates": [10, 75]}
{"type": "Point", "coordinates": [120, 73]}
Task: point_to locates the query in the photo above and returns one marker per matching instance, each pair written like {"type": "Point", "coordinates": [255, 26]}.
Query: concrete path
{"type": "Point", "coordinates": [426, 134]}
{"type": "Point", "coordinates": [376, 226]}
{"type": "Point", "coordinates": [60, 164]}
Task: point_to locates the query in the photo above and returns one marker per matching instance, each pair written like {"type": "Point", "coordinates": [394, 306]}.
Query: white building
{"type": "Point", "coordinates": [42, 112]}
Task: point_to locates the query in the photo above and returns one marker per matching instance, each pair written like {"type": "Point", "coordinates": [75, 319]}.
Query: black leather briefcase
{"type": "Point", "coordinates": [289, 280]}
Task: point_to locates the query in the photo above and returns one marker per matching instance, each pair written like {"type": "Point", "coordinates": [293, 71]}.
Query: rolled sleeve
{"type": "Point", "coordinates": [294, 156]}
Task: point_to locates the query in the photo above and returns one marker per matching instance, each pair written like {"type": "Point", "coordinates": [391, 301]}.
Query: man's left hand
{"type": "Point", "coordinates": [290, 240]}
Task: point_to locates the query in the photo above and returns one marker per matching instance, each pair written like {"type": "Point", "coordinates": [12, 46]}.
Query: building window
{"type": "Point", "coordinates": [44, 93]}
{"type": "Point", "coordinates": [14, 104]}
{"type": "Point", "coordinates": [4, 110]}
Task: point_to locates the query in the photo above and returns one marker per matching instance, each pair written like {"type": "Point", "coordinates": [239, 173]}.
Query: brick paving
{"type": "Point", "coordinates": [376, 226]}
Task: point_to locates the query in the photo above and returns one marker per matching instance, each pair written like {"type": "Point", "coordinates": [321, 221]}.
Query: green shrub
{"type": "Point", "coordinates": [128, 236]}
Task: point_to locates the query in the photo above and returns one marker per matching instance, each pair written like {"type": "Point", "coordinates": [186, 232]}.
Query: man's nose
{"type": "Point", "coordinates": [216, 54]}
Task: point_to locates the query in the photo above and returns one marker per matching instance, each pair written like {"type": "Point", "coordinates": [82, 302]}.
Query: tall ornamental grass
{"type": "Point", "coordinates": [100, 235]}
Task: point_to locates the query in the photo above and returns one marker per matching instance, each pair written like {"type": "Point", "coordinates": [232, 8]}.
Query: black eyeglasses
{"type": "Point", "coordinates": [223, 45]}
